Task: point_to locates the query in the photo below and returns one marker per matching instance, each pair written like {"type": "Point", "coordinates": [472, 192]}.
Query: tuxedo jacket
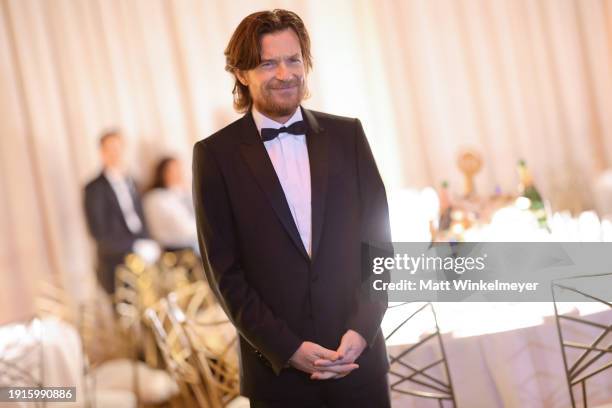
{"type": "Point", "coordinates": [109, 229]}
{"type": "Point", "coordinates": [273, 292]}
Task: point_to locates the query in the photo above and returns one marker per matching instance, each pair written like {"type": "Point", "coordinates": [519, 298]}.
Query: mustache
{"type": "Point", "coordinates": [276, 84]}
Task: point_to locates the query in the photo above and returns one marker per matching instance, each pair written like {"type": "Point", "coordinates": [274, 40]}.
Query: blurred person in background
{"type": "Point", "coordinates": [114, 212]}
{"type": "Point", "coordinates": [168, 207]}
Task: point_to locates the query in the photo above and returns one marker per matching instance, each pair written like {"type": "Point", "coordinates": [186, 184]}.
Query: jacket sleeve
{"type": "Point", "coordinates": [375, 239]}
{"type": "Point", "coordinates": [268, 334]}
{"type": "Point", "coordinates": [95, 214]}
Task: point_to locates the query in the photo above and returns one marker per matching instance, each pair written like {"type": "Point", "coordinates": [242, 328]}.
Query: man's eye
{"type": "Point", "coordinates": [295, 61]}
{"type": "Point", "coordinates": [266, 64]}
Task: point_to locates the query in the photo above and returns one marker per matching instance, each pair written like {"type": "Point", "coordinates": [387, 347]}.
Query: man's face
{"type": "Point", "coordinates": [277, 84]}
{"type": "Point", "coordinates": [173, 175]}
{"type": "Point", "coordinates": [111, 152]}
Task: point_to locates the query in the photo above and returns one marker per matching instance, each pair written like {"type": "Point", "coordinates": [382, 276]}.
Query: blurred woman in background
{"type": "Point", "coordinates": [168, 207]}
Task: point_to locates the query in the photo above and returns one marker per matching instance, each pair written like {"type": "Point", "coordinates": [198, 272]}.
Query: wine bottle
{"type": "Point", "coordinates": [445, 207]}
{"type": "Point", "coordinates": [528, 190]}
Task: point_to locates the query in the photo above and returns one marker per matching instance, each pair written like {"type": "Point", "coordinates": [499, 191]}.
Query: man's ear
{"type": "Point", "coordinates": [241, 75]}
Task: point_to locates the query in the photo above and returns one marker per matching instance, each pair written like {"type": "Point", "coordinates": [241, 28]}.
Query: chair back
{"type": "Point", "coordinates": [586, 345]}
{"type": "Point", "coordinates": [421, 369]}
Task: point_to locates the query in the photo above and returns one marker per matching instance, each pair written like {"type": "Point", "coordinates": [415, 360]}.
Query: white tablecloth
{"type": "Point", "coordinates": [60, 364]}
{"type": "Point", "coordinates": [501, 355]}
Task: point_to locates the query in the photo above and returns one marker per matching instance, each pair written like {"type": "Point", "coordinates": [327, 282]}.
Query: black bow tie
{"type": "Point", "coordinates": [297, 128]}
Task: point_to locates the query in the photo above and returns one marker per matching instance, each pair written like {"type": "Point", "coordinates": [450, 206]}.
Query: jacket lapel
{"type": "Point", "coordinates": [317, 141]}
{"type": "Point", "coordinates": [255, 155]}
{"type": "Point", "coordinates": [110, 191]}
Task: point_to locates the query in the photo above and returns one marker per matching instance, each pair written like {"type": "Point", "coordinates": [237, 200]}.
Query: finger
{"type": "Point", "coordinates": [323, 375]}
{"type": "Point", "coordinates": [328, 374]}
{"type": "Point", "coordinates": [344, 348]}
{"type": "Point", "coordinates": [326, 354]}
{"type": "Point", "coordinates": [338, 376]}
{"type": "Point", "coordinates": [347, 358]}
{"type": "Point", "coordinates": [339, 369]}
{"type": "Point", "coordinates": [326, 363]}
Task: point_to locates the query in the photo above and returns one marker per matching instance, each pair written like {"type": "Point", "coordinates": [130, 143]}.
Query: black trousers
{"type": "Point", "coordinates": [335, 394]}
{"type": "Point", "coordinates": [105, 270]}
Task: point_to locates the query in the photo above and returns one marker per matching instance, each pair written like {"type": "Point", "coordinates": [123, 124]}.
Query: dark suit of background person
{"type": "Point", "coordinates": [276, 295]}
{"type": "Point", "coordinates": [107, 222]}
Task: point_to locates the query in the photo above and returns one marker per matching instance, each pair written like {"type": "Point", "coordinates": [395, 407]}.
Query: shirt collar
{"type": "Point", "coordinates": [262, 121]}
{"type": "Point", "coordinates": [113, 175]}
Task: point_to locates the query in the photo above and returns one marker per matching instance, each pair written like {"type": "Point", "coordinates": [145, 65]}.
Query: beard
{"type": "Point", "coordinates": [273, 105]}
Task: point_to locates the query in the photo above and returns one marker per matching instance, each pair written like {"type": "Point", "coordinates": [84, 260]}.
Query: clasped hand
{"type": "Point", "coordinates": [323, 364]}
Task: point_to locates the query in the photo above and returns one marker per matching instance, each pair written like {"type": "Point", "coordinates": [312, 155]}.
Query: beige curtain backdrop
{"type": "Point", "coordinates": [515, 79]}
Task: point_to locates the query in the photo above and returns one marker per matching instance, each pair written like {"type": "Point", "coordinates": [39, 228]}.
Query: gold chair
{"type": "Point", "coordinates": [137, 287]}
{"type": "Point", "coordinates": [179, 359]}
{"type": "Point", "coordinates": [181, 268]}
{"type": "Point", "coordinates": [172, 334]}
{"type": "Point", "coordinates": [584, 366]}
{"type": "Point", "coordinates": [195, 301]}
{"type": "Point", "coordinates": [409, 379]}
{"type": "Point", "coordinates": [212, 337]}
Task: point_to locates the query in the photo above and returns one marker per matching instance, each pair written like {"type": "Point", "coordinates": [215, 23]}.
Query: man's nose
{"type": "Point", "coordinates": [282, 72]}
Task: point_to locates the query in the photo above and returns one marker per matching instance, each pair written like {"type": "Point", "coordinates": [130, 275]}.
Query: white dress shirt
{"type": "Point", "coordinates": [120, 186]}
{"type": "Point", "coordinates": [289, 156]}
{"type": "Point", "coordinates": [170, 217]}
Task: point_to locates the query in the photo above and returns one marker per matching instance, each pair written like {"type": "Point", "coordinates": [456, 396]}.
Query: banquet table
{"type": "Point", "coordinates": [499, 354]}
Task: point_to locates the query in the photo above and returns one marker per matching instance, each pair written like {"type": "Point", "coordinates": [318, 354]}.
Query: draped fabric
{"type": "Point", "coordinates": [511, 78]}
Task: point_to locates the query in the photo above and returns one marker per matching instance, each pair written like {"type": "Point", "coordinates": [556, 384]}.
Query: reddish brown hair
{"type": "Point", "coordinates": [243, 52]}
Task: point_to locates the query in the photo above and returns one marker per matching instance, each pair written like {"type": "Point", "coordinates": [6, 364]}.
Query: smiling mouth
{"type": "Point", "coordinates": [284, 88]}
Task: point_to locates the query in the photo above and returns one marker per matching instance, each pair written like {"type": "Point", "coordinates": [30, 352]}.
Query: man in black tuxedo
{"type": "Point", "coordinates": [285, 197]}
{"type": "Point", "coordinates": [113, 210]}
